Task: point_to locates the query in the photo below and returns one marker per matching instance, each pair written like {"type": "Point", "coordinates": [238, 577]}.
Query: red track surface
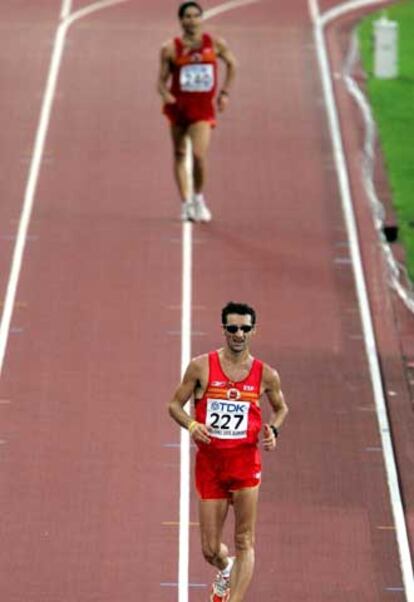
{"type": "Point", "coordinates": [89, 480]}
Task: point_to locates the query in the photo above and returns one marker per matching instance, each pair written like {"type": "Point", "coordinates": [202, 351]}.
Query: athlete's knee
{"type": "Point", "coordinates": [198, 159]}
{"type": "Point", "coordinates": [179, 155]}
{"type": "Point", "coordinates": [244, 540]}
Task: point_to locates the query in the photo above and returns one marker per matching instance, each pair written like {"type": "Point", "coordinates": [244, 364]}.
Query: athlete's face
{"type": "Point", "coordinates": [191, 20]}
{"type": "Point", "coordinates": [238, 330]}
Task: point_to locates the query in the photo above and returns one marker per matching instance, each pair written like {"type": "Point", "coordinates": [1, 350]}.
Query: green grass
{"type": "Point", "coordinates": [392, 103]}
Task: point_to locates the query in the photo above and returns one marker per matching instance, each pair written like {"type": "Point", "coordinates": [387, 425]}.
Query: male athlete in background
{"type": "Point", "coordinates": [227, 386]}
{"type": "Point", "coordinates": [187, 84]}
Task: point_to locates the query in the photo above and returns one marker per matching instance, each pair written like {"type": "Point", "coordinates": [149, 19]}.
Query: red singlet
{"type": "Point", "coordinates": [230, 409]}
{"type": "Point", "coordinates": [194, 83]}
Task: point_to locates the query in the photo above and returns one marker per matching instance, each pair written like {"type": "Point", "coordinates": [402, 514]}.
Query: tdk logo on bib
{"type": "Point", "coordinates": [226, 406]}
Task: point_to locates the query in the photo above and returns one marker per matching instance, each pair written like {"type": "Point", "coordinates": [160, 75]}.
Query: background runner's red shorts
{"type": "Point", "coordinates": [220, 472]}
{"type": "Point", "coordinates": [184, 114]}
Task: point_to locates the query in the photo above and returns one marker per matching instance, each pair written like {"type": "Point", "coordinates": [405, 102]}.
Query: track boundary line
{"type": "Point", "coordinates": [66, 20]}
{"type": "Point", "coordinates": [319, 22]}
{"type": "Point", "coordinates": [398, 276]}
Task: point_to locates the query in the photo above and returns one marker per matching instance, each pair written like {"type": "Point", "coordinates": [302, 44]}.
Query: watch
{"type": "Point", "coordinates": [274, 431]}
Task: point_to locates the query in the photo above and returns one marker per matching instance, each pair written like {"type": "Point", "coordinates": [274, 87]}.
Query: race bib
{"type": "Point", "coordinates": [197, 78]}
{"type": "Point", "coordinates": [227, 419]}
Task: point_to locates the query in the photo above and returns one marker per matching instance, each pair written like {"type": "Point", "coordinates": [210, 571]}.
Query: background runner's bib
{"type": "Point", "coordinates": [193, 82]}
{"type": "Point", "coordinates": [227, 419]}
{"type": "Point", "coordinates": [197, 78]}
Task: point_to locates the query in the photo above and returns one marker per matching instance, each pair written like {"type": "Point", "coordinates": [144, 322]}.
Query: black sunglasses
{"type": "Point", "coordinates": [233, 328]}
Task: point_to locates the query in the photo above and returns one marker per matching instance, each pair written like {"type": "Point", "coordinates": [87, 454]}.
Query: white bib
{"type": "Point", "coordinates": [197, 78]}
{"type": "Point", "coordinates": [227, 419]}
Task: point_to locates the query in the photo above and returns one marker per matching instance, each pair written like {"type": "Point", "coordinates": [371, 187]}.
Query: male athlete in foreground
{"type": "Point", "coordinates": [187, 84]}
{"type": "Point", "coordinates": [227, 386]}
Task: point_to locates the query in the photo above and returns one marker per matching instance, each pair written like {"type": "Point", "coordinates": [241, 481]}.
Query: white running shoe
{"type": "Point", "coordinates": [220, 590]}
{"type": "Point", "coordinates": [187, 211]}
{"type": "Point", "coordinates": [202, 212]}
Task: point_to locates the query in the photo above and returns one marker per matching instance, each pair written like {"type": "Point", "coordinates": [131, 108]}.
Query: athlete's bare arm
{"type": "Point", "coordinates": [272, 389]}
{"type": "Point", "coordinates": [193, 383]}
{"type": "Point", "coordinates": [229, 60]}
{"type": "Point", "coordinates": [166, 56]}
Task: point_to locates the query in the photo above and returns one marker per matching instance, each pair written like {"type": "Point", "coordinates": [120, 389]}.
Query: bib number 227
{"type": "Point", "coordinates": [227, 419]}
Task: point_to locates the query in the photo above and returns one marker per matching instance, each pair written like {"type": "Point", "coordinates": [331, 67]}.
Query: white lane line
{"type": "Point", "coordinates": [36, 161]}
{"type": "Point", "coordinates": [319, 21]}
{"type": "Point", "coordinates": [185, 445]}
{"type": "Point", "coordinates": [346, 7]}
{"type": "Point", "coordinates": [222, 8]}
{"type": "Point", "coordinates": [187, 246]}
{"type": "Point", "coordinates": [91, 8]}
{"type": "Point", "coordinates": [66, 9]}
{"type": "Point", "coordinates": [30, 191]}
{"type": "Point", "coordinates": [184, 509]}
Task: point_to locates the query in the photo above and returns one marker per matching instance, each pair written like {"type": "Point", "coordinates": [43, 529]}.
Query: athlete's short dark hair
{"type": "Point", "coordinates": [183, 7]}
{"type": "Point", "coordinates": [241, 309]}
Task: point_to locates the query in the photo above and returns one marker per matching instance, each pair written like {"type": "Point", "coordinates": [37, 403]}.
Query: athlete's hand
{"type": "Point", "coordinates": [200, 433]}
{"type": "Point", "coordinates": [269, 440]}
{"type": "Point", "coordinates": [169, 99]}
{"type": "Point", "coordinates": [222, 102]}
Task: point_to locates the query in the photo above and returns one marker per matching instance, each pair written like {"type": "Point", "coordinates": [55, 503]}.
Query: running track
{"type": "Point", "coordinates": [90, 464]}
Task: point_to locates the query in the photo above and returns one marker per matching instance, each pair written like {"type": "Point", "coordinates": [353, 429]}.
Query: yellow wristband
{"type": "Point", "coordinates": [192, 426]}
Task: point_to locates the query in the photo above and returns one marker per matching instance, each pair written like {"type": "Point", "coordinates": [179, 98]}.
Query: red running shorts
{"type": "Point", "coordinates": [184, 115]}
{"type": "Point", "coordinates": [218, 473]}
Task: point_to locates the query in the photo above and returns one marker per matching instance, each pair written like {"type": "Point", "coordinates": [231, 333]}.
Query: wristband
{"type": "Point", "coordinates": [223, 93]}
{"type": "Point", "coordinates": [192, 426]}
{"type": "Point", "coordinates": [274, 431]}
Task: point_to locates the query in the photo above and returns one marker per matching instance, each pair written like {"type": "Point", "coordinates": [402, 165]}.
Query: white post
{"type": "Point", "coordinates": [386, 48]}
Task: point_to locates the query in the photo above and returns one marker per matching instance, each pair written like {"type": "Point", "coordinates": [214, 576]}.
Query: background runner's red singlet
{"type": "Point", "coordinates": [230, 409]}
{"type": "Point", "coordinates": [194, 83]}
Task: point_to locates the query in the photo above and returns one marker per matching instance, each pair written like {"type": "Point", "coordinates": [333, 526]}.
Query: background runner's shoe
{"type": "Point", "coordinates": [187, 211]}
{"type": "Point", "coordinates": [202, 212]}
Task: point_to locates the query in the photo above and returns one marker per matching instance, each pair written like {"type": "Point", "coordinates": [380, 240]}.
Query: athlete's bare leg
{"type": "Point", "coordinates": [245, 510]}
{"type": "Point", "coordinates": [200, 134]}
{"type": "Point", "coordinates": [212, 514]}
{"type": "Point", "coordinates": [179, 139]}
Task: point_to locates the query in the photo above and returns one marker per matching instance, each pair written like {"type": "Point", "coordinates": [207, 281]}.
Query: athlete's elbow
{"type": "Point", "coordinates": [172, 408]}
{"type": "Point", "coordinates": [233, 66]}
